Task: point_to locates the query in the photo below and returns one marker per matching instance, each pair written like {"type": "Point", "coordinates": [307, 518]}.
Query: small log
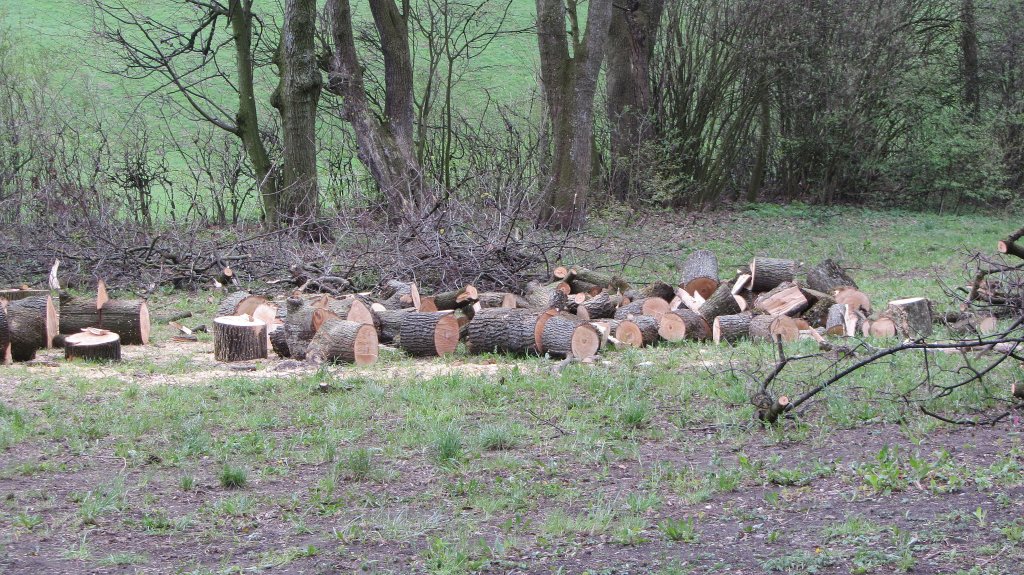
{"type": "Point", "coordinates": [550, 296]}
{"type": "Point", "coordinates": [649, 306]}
{"type": "Point", "coordinates": [497, 299]}
{"type": "Point", "coordinates": [345, 341]}
{"type": "Point", "coordinates": [881, 327]}
{"type": "Point", "coordinates": [835, 322]}
{"type": "Point", "coordinates": [12, 295]}
{"type": "Point", "coordinates": [568, 337]}
{"type": "Point", "coordinates": [127, 318]}
{"type": "Point", "coordinates": [638, 331]}
{"type": "Point", "coordinates": [613, 284]}
{"type": "Point", "coordinates": [32, 325]}
{"type": "Point", "coordinates": [968, 324]}
{"type": "Point", "coordinates": [391, 324]}
{"type": "Point", "coordinates": [773, 327]}
{"type": "Point", "coordinates": [657, 290]}
{"type": "Point", "coordinates": [785, 299]}
{"type": "Point", "coordinates": [694, 326]}
{"type": "Point", "coordinates": [731, 328]}
{"type": "Point", "coordinates": [766, 273]}
{"type": "Point", "coordinates": [855, 298]}
{"type": "Point", "coordinates": [400, 295]}
{"type": "Point", "coordinates": [429, 334]}
{"type": "Point", "coordinates": [240, 303]}
{"type": "Point", "coordinates": [93, 345]}
{"type": "Point", "coordinates": [239, 338]}
{"type": "Point", "coordinates": [456, 299]}
{"type": "Point", "coordinates": [1008, 246]}
{"type": "Point", "coordinates": [741, 283]}
{"type": "Point", "coordinates": [504, 330]}
{"type": "Point", "coordinates": [601, 306]}
{"type": "Point", "coordinates": [772, 413]}
{"type": "Point", "coordinates": [5, 335]}
{"type": "Point", "coordinates": [722, 302]}
{"type": "Point", "coordinates": [577, 286]}
{"type": "Point", "coordinates": [700, 273]}
{"type": "Point", "coordinates": [829, 277]}
{"type": "Point", "coordinates": [912, 316]}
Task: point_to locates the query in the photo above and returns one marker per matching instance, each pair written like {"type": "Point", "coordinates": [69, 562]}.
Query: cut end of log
{"type": "Point", "coordinates": [585, 341]}
{"type": "Point", "coordinates": [446, 334]}
{"type": "Point", "coordinates": [703, 286]}
{"type": "Point", "coordinates": [671, 327]}
{"type": "Point", "coordinates": [101, 294]}
{"type": "Point", "coordinates": [469, 294]}
{"type": "Point", "coordinates": [882, 327]}
{"type": "Point", "coordinates": [628, 333]}
{"type": "Point", "coordinates": [427, 304]}
{"type": "Point", "coordinates": [93, 344]}
{"type": "Point", "coordinates": [855, 298]}
{"type": "Point", "coordinates": [367, 347]}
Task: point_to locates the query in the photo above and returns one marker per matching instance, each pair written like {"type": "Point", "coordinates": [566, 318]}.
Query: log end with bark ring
{"type": "Point", "coordinates": [703, 286]}
{"type": "Point", "coordinates": [93, 345]}
{"type": "Point", "coordinates": [239, 338]}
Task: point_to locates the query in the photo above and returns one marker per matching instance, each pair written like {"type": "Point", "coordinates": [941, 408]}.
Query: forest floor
{"type": "Point", "coordinates": [645, 461]}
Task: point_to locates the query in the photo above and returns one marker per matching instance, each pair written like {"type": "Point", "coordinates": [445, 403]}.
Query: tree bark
{"type": "Point", "coordinates": [969, 52]}
{"type": "Point", "coordinates": [127, 318]}
{"type": "Point", "coordinates": [502, 330]}
{"type": "Point", "coordinates": [429, 334]}
{"type": "Point", "coordinates": [731, 328]}
{"type": "Point", "coordinates": [569, 83]}
{"type": "Point", "coordinates": [339, 340]}
{"type": "Point", "coordinates": [638, 331]}
{"type": "Point", "coordinates": [5, 335]}
{"type": "Point", "coordinates": [239, 338]}
{"type": "Point", "coordinates": [32, 324]}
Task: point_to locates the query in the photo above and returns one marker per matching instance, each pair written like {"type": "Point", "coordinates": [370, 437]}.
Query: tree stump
{"type": "Point", "coordinates": [502, 330]}
{"type": "Point", "coordinates": [700, 273]}
{"type": "Point", "coordinates": [566, 336]}
{"type": "Point", "coordinates": [650, 306]}
{"type": "Point", "coordinates": [429, 333]}
{"type": "Point", "coordinates": [694, 326]}
{"type": "Point", "coordinates": [93, 345]}
{"type": "Point", "coordinates": [32, 325]}
{"type": "Point", "coordinates": [239, 338]}
{"type": "Point", "coordinates": [766, 273]}
{"type": "Point", "coordinates": [638, 331]}
{"type": "Point", "coordinates": [829, 277]}
{"type": "Point", "coordinates": [5, 335]}
{"type": "Point", "coordinates": [912, 316]}
{"type": "Point", "coordinates": [127, 318]}
{"type": "Point", "coordinates": [722, 302]}
{"type": "Point", "coordinates": [730, 328]}
{"type": "Point", "coordinates": [345, 341]}
{"type": "Point", "coordinates": [773, 327]}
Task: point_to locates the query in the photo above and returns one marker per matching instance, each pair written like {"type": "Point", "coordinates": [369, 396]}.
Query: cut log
{"type": "Point", "coordinates": [93, 345]}
{"type": "Point", "coordinates": [239, 303]}
{"type": "Point", "coordinates": [298, 325]}
{"type": "Point", "coordinates": [638, 331]}
{"type": "Point", "coordinates": [967, 324]}
{"type": "Point", "coordinates": [817, 314]}
{"type": "Point", "coordinates": [566, 336]}
{"type": "Point", "coordinates": [785, 299]}
{"type": "Point", "coordinates": [657, 289]}
{"type": "Point", "coordinates": [613, 284]}
{"type": "Point", "coordinates": [766, 273]}
{"type": "Point", "coordinates": [239, 338]}
{"type": "Point", "coordinates": [550, 296]}
{"type": "Point", "coordinates": [32, 325]}
{"type": "Point", "coordinates": [456, 299]}
{"type": "Point", "coordinates": [835, 321]}
{"type": "Point", "coordinates": [773, 327]}
{"type": "Point", "coordinates": [21, 293]}
{"type": "Point", "coordinates": [881, 327]}
{"type": "Point", "coordinates": [428, 334]}
{"type": "Point", "coordinates": [503, 330]}
{"type": "Point", "coordinates": [829, 277]}
{"type": "Point", "coordinates": [279, 342]}
{"type": "Point", "coordinates": [497, 299]}
{"type": "Point", "coordinates": [577, 286]}
{"type": "Point", "coordinates": [722, 302]}
{"type": "Point", "coordinates": [601, 306]}
{"type": "Point", "coordinates": [345, 341]}
{"type": "Point", "coordinates": [649, 306]}
{"type": "Point", "coordinates": [353, 308]}
{"type": "Point", "coordinates": [127, 318]}
{"type": "Point", "coordinates": [694, 326]}
{"type": "Point", "coordinates": [855, 298]}
{"type": "Point", "coordinates": [912, 316]}
{"type": "Point", "coordinates": [401, 295]}
{"type": "Point", "coordinates": [391, 324]}
{"type": "Point", "coordinates": [5, 335]}
{"type": "Point", "coordinates": [563, 274]}
{"type": "Point", "coordinates": [427, 303]}
{"type": "Point", "coordinates": [731, 328]}
{"type": "Point", "coordinates": [774, 410]}
{"type": "Point", "coordinates": [740, 283]}
{"type": "Point", "coordinates": [1007, 246]}
{"type": "Point", "coordinates": [671, 326]}
{"type": "Point", "coordinates": [684, 299]}
{"type": "Point", "coordinates": [700, 273]}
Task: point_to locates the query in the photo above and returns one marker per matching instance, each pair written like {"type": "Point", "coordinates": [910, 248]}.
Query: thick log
{"type": "Point", "coordinates": [638, 331]}
{"type": "Point", "coordinates": [601, 306]}
{"type": "Point", "coordinates": [566, 336]}
{"type": "Point", "coordinates": [504, 330]}
{"type": "Point", "coordinates": [880, 327]}
{"type": "Point", "coordinates": [694, 326]}
{"type": "Point", "coordinates": [400, 295]}
{"type": "Point", "coordinates": [722, 302]}
{"type": "Point", "coordinates": [657, 289]}
{"type": "Point", "coordinates": [298, 324]}
{"type": "Point", "coordinates": [239, 338]}
{"type": "Point", "coordinates": [32, 325]}
{"type": "Point", "coordinates": [835, 321]}
{"type": "Point", "coordinates": [730, 328]}
{"type": "Point", "coordinates": [127, 318]}
{"type": "Point", "coordinates": [550, 296]}
{"type": "Point", "coordinates": [340, 340]}
{"type": "Point", "coordinates": [22, 293]}
{"type": "Point", "coordinates": [497, 299]}
{"type": "Point", "coordinates": [700, 273]}
{"type": "Point", "coordinates": [912, 316]}
{"type": "Point", "coordinates": [391, 324]}
{"type": "Point", "coordinates": [5, 335]}
{"type": "Point", "coordinates": [353, 308]}
{"type": "Point", "coordinates": [671, 326]}
{"type": "Point", "coordinates": [241, 302]}
{"type": "Point", "coordinates": [578, 286]}
{"type": "Point", "coordinates": [855, 298]}
{"type": "Point", "coordinates": [456, 299]}
{"type": "Point", "coordinates": [93, 345]}
{"type": "Point", "coordinates": [1007, 246]}
{"type": "Point", "coordinates": [613, 284]}
{"type": "Point", "coordinates": [428, 334]}
{"type": "Point", "coordinates": [785, 299]}
{"type": "Point", "coordinates": [279, 342]}
{"type": "Point", "coordinates": [829, 277]}
{"type": "Point", "coordinates": [650, 306]}
{"type": "Point", "coordinates": [766, 273]}
{"type": "Point", "coordinates": [773, 327]}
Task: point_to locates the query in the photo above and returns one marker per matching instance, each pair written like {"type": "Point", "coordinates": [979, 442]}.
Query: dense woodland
{"type": "Point", "coordinates": [292, 113]}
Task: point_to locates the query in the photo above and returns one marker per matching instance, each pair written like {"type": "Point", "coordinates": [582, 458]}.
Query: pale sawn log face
{"type": "Point", "coordinates": [93, 347]}
{"type": "Point", "coordinates": [239, 338]}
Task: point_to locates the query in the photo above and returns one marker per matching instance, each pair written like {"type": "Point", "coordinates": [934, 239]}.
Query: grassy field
{"type": "Point", "coordinates": [646, 461]}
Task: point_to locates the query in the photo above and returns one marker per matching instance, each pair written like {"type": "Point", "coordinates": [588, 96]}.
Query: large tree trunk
{"type": "Point", "coordinates": [386, 149]}
{"type": "Point", "coordinates": [569, 84]}
{"type": "Point", "coordinates": [247, 126]}
{"type": "Point", "coordinates": [296, 99]}
{"type": "Point", "coordinates": [969, 52]}
{"type": "Point", "coordinates": [631, 39]}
